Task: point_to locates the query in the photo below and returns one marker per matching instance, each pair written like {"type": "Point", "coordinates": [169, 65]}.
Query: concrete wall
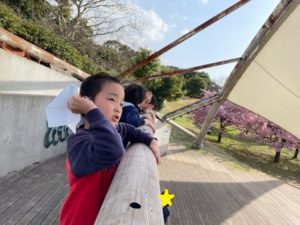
{"type": "Point", "coordinates": [162, 133]}
{"type": "Point", "coordinates": [26, 88]}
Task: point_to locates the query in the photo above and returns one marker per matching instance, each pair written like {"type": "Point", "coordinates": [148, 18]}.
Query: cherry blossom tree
{"type": "Point", "coordinates": [250, 125]}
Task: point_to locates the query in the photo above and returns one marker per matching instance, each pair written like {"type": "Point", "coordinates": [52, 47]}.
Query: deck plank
{"type": "Point", "coordinates": [208, 191]}
{"type": "Point", "coordinates": [33, 195]}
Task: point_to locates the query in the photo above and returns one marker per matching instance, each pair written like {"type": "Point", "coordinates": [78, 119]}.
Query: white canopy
{"type": "Point", "coordinates": [270, 85]}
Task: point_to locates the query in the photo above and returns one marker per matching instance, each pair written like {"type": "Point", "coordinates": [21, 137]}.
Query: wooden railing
{"type": "Point", "coordinates": [133, 197]}
{"type": "Point", "coordinates": [41, 55]}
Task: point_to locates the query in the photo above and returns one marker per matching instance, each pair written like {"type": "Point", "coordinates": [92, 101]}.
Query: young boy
{"type": "Point", "coordinates": [94, 152]}
{"type": "Point", "coordinates": [136, 98]}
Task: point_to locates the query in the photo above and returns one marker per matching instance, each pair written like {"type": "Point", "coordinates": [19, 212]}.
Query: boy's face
{"type": "Point", "coordinates": [144, 104]}
{"type": "Point", "coordinates": [110, 101]}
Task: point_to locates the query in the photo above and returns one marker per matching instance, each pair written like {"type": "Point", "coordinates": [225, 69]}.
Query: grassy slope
{"type": "Point", "coordinates": [250, 154]}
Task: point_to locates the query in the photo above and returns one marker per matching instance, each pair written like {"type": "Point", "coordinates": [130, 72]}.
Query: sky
{"type": "Point", "coordinates": [166, 21]}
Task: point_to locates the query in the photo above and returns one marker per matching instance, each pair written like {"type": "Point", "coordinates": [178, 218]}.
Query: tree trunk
{"type": "Point", "coordinates": [221, 131]}
{"type": "Point", "coordinates": [277, 157]}
{"type": "Point", "coordinates": [296, 153]}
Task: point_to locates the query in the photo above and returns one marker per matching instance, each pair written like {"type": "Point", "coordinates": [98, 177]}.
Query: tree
{"type": "Point", "coordinates": [114, 55]}
{"type": "Point", "coordinates": [168, 88]}
{"type": "Point", "coordinates": [63, 16]}
{"type": "Point", "coordinates": [94, 18]}
{"type": "Point", "coordinates": [251, 126]}
{"type": "Point", "coordinates": [213, 87]}
{"type": "Point", "coordinates": [30, 9]}
{"type": "Point", "coordinates": [151, 68]}
{"type": "Point", "coordinates": [229, 114]}
{"type": "Point", "coordinates": [195, 86]}
{"type": "Point", "coordinates": [296, 153]}
{"type": "Point", "coordinates": [274, 136]}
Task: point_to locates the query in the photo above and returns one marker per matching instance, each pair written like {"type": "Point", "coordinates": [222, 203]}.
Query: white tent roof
{"type": "Point", "coordinates": [270, 85]}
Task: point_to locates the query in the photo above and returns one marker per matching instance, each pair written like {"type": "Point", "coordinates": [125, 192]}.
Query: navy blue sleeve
{"type": "Point", "coordinates": [131, 134]}
{"type": "Point", "coordinates": [96, 148]}
{"type": "Point", "coordinates": [132, 116]}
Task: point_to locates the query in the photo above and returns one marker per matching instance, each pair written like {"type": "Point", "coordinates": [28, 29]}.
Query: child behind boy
{"type": "Point", "coordinates": [136, 98]}
{"type": "Point", "coordinates": [94, 152]}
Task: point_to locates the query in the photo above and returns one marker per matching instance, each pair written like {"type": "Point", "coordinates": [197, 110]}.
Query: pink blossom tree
{"type": "Point", "coordinates": [250, 125]}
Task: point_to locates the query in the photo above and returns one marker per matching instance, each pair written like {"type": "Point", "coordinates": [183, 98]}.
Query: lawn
{"type": "Point", "coordinates": [171, 106]}
{"type": "Point", "coordinates": [246, 154]}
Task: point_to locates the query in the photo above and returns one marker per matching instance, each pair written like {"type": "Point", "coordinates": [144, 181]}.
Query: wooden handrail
{"type": "Point", "coordinates": [133, 197]}
{"type": "Point", "coordinates": [19, 43]}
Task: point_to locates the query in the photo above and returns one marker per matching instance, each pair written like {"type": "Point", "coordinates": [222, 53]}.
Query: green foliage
{"type": "Point", "coordinates": [192, 74]}
{"type": "Point", "coordinates": [151, 68]}
{"type": "Point", "coordinates": [45, 39]}
{"type": "Point", "coordinates": [195, 86]}
{"type": "Point", "coordinates": [9, 20]}
{"type": "Point", "coordinates": [169, 88]}
{"type": "Point", "coordinates": [30, 9]}
{"type": "Point", "coordinates": [115, 55]}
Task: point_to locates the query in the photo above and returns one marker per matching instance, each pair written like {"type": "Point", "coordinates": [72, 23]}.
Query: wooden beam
{"type": "Point", "coordinates": [184, 37]}
{"type": "Point", "coordinates": [16, 42]}
{"type": "Point", "coordinates": [133, 196]}
{"type": "Point", "coordinates": [202, 102]}
{"type": "Point", "coordinates": [181, 128]}
{"type": "Point", "coordinates": [187, 70]}
{"type": "Point", "coordinates": [284, 8]}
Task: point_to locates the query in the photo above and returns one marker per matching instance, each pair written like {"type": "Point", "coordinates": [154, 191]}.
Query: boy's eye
{"type": "Point", "coordinates": [111, 99]}
{"type": "Point", "coordinates": [121, 105]}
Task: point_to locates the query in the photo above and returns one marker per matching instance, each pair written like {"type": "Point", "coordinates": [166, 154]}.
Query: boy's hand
{"type": "Point", "coordinates": [155, 150]}
{"type": "Point", "coordinates": [80, 105]}
{"type": "Point", "coordinates": [150, 123]}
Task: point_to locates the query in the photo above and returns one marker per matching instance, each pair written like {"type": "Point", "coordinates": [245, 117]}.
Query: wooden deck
{"type": "Point", "coordinates": [209, 191]}
{"type": "Point", "coordinates": [206, 190]}
{"type": "Point", "coordinates": [35, 195]}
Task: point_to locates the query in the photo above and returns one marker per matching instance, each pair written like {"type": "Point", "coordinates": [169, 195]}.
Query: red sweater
{"type": "Point", "coordinates": [85, 197]}
{"type": "Point", "coordinates": [93, 156]}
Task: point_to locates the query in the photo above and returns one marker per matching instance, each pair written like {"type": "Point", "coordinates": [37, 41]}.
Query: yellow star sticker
{"type": "Point", "coordinates": [166, 198]}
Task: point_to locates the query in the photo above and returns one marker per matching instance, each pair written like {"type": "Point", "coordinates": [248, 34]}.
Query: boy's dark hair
{"type": "Point", "coordinates": [93, 84]}
{"type": "Point", "coordinates": [135, 94]}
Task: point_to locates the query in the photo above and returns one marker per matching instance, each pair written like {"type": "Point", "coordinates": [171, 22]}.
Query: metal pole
{"type": "Point", "coordinates": [181, 71]}
{"type": "Point", "coordinates": [184, 37]}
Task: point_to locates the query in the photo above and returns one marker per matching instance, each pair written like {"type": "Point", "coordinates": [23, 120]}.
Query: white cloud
{"type": "Point", "coordinates": [148, 27]}
{"type": "Point", "coordinates": [203, 1]}
{"type": "Point", "coordinates": [152, 28]}
{"type": "Point", "coordinates": [184, 31]}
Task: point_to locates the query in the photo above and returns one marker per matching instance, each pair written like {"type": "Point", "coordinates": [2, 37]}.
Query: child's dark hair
{"type": "Point", "coordinates": [92, 85]}
{"type": "Point", "coordinates": [135, 94]}
{"type": "Point", "coordinates": [153, 101]}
